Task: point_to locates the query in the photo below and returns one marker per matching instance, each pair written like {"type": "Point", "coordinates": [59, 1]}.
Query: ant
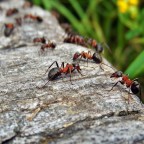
{"type": "Point", "coordinates": [57, 71]}
{"type": "Point", "coordinates": [75, 39]}
{"type": "Point", "coordinates": [33, 17]}
{"type": "Point", "coordinates": [39, 40]}
{"type": "Point", "coordinates": [96, 57]}
{"type": "Point", "coordinates": [9, 28]}
{"type": "Point", "coordinates": [27, 4]}
{"type": "Point", "coordinates": [133, 85]}
{"type": "Point", "coordinates": [97, 46]}
{"type": "Point", "coordinates": [18, 21]}
{"type": "Point", "coordinates": [48, 45]}
{"type": "Point", "coordinates": [11, 12]}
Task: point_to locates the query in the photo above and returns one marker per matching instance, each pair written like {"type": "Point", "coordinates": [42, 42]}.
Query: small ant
{"type": "Point", "coordinates": [11, 12]}
{"type": "Point", "coordinates": [9, 28]}
{"type": "Point", "coordinates": [48, 45]}
{"type": "Point", "coordinates": [75, 39]}
{"type": "Point", "coordinates": [39, 40]}
{"type": "Point", "coordinates": [27, 4]}
{"type": "Point", "coordinates": [18, 21]}
{"type": "Point", "coordinates": [67, 27]}
{"type": "Point", "coordinates": [96, 57]}
{"type": "Point", "coordinates": [97, 46]}
{"type": "Point", "coordinates": [33, 17]}
{"type": "Point", "coordinates": [133, 85]}
{"type": "Point", "coordinates": [57, 71]}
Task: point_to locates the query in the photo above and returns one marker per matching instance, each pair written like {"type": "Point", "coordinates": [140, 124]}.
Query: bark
{"type": "Point", "coordinates": [82, 112]}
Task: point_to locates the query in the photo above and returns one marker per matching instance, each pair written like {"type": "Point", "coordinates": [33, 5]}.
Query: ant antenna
{"type": "Point", "coordinates": [108, 66]}
{"type": "Point", "coordinates": [106, 45]}
{"type": "Point", "coordinates": [43, 85]}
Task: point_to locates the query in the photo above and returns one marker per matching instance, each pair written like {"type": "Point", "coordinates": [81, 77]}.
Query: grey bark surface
{"type": "Point", "coordinates": [82, 112]}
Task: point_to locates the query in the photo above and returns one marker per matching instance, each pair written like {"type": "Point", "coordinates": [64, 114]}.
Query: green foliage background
{"type": "Point", "coordinates": [101, 20]}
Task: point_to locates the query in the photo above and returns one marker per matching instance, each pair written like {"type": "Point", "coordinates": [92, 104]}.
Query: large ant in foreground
{"type": "Point", "coordinates": [96, 57]}
{"type": "Point", "coordinates": [133, 85]}
{"type": "Point", "coordinates": [8, 29]}
{"type": "Point", "coordinates": [11, 12]}
{"type": "Point", "coordinates": [57, 71]}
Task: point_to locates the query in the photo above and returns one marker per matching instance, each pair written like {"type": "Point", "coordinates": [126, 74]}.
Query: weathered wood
{"type": "Point", "coordinates": [61, 112]}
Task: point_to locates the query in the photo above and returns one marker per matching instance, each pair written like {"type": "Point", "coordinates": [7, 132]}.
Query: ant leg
{"type": "Point", "coordinates": [70, 75]}
{"type": "Point", "coordinates": [51, 65]}
{"type": "Point", "coordinates": [62, 65]}
{"type": "Point", "coordinates": [80, 72]}
{"type": "Point", "coordinates": [101, 67]}
{"type": "Point", "coordinates": [43, 85]}
{"type": "Point", "coordinates": [114, 85]}
{"type": "Point", "coordinates": [107, 65]}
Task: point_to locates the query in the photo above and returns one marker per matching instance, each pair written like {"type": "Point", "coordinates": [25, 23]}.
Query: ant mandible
{"type": "Point", "coordinates": [8, 29]}
{"type": "Point", "coordinates": [133, 85]}
{"type": "Point", "coordinates": [96, 57]}
{"type": "Point", "coordinates": [57, 71]}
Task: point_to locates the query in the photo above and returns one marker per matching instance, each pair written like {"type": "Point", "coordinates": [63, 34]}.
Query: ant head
{"type": "Point", "coordinates": [97, 58]}
{"type": "Point", "coordinates": [76, 55]}
{"type": "Point", "coordinates": [135, 87]}
{"type": "Point", "coordinates": [117, 74]}
{"type": "Point", "coordinates": [99, 48]}
{"type": "Point", "coordinates": [39, 19]}
{"type": "Point", "coordinates": [76, 66]}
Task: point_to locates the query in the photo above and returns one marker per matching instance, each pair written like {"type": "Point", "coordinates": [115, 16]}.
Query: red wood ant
{"type": "Point", "coordinates": [33, 17]}
{"type": "Point", "coordinates": [75, 39]}
{"type": "Point", "coordinates": [57, 71]}
{"type": "Point", "coordinates": [9, 28]}
{"type": "Point", "coordinates": [133, 85]}
{"type": "Point", "coordinates": [11, 12]}
{"type": "Point", "coordinates": [96, 57]}
{"type": "Point", "coordinates": [97, 46]}
{"type": "Point", "coordinates": [39, 40]}
{"type": "Point", "coordinates": [48, 45]}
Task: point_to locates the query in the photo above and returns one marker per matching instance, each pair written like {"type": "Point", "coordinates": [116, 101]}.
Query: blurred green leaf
{"type": "Point", "coordinates": [67, 13]}
{"type": "Point", "coordinates": [37, 2]}
{"type": "Point", "coordinates": [137, 66]}
{"type": "Point", "coordinates": [133, 33]}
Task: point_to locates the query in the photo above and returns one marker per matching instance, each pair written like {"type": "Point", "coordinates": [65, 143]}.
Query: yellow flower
{"type": "Point", "coordinates": [122, 5]}
{"type": "Point", "coordinates": [133, 2]}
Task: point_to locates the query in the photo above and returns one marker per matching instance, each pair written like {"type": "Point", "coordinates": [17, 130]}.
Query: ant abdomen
{"type": "Point", "coordinates": [53, 73]}
{"type": "Point", "coordinates": [97, 58]}
{"type": "Point", "coordinates": [135, 87]}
